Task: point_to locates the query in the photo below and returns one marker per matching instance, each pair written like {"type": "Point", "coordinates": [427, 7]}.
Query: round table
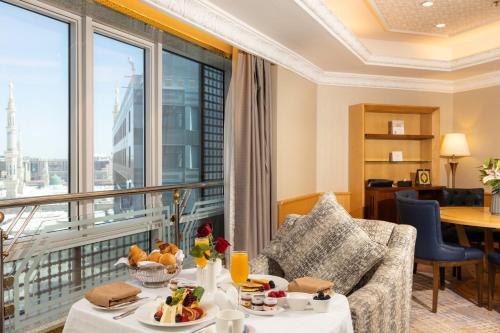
{"type": "Point", "coordinates": [479, 217]}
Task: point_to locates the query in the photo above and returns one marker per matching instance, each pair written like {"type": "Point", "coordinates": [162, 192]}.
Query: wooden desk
{"type": "Point", "coordinates": [479, 217]}
{"type": "Point", "coordinates": [380, 203]}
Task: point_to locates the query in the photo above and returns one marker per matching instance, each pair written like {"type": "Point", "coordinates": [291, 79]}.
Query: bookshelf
{"type": "Point", "coordinates": [370, 144]}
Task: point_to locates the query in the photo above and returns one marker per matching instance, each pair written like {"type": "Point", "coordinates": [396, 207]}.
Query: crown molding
{"type": "Point", "coordinates": [212, 19]}
{"type": "Point", "coordinates": [318, 10]}
{"type": "Point", "coordinates": [386, 82]}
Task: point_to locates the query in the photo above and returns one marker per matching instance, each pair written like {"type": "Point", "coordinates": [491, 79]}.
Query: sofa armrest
{"type": "Point", "coordinates": [384, 303]}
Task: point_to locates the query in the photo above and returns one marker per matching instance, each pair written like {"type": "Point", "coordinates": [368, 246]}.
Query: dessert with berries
{"type": "Point", "coordinates": [182, 306]}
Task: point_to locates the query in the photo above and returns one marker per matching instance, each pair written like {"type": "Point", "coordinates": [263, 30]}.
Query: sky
{"type": "Point", "coordinates": [34, 55]}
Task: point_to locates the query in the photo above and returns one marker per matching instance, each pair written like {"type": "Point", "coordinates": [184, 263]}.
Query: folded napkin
{"type": "Point", "coordinates": [112, 294]}
{"type": "Point", "coordinates": [309, 285]}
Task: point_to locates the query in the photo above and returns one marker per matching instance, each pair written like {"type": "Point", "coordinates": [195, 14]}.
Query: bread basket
{"type": "Point", "coordinates": [155, 276]}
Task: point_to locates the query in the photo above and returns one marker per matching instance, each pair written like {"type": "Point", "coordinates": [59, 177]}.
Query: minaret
{"type": "Point", "coordinates": [116, 108]}
{"type": "Point", "coordinates": [20, 165]}
{"type": "Point", "coordinates": [11, 153]}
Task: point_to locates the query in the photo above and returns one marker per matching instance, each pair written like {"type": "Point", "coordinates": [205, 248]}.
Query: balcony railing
{"type": "Point", "coordinates": [55, 248]}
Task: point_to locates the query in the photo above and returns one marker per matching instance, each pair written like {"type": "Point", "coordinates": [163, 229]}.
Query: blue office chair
{"type": "Point", "coordinates": [493, 264]}
{"type": "Point", "coordinates": [430, 248]}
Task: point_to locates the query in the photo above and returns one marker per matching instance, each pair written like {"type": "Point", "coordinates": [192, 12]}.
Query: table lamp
{"type": "Point", "coordinates": [454, 146]}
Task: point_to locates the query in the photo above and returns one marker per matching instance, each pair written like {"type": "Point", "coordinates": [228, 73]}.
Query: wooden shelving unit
{"type": "Point", "coordinates": [370, 144]}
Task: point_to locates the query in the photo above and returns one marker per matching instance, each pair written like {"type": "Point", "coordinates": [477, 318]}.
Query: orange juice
{"type": "Point", "coordinates": [239, 267]}
{"type": "Point", "coordinates": [201, 262]}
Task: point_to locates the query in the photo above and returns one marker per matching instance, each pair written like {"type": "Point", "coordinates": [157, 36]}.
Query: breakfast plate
{"type": "Point", "coordinates": [145, 315]}
{"type": "Point", "coordinates": [279, 309]}
{"type": "Point", "coordinates": [279, 282]}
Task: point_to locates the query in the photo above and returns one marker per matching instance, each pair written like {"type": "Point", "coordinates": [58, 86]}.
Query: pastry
{"type": "Point", "coordinates": [167, 259]}
{"type": "Point", "coordinates": [154, 256]}
{"type": "Point", "coordinates": [136, 255]}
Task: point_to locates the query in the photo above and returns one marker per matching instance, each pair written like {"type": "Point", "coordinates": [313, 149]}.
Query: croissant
{"type": "Point", "coordinates": [136, 255]}
{"type": "Point", "coordinates": [162, 246]}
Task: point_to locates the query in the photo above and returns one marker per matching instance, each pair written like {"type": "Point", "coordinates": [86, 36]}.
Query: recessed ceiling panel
{"type": "Point", "coordinates": [439, 17]}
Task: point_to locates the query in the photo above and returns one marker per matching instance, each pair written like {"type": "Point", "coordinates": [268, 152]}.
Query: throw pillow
{"type": "Point", "coordinates": [327, 244]}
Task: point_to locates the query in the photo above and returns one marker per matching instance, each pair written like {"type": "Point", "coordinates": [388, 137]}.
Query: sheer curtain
{"type": "Point", "coordinates": [249, 144]}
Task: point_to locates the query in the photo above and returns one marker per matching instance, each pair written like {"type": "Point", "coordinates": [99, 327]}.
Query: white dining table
{"type": "Point", "coordinates": [84, 318]}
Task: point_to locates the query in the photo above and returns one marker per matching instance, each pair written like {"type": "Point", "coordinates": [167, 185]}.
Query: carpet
{"type": "Point", "coordinates": [455, 314]}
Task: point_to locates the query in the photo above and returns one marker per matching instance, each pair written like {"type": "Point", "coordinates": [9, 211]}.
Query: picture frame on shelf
{"type": "Point", "coordinates": [423, 177]}
{"type": "Point", "coordinates": [397, 127]}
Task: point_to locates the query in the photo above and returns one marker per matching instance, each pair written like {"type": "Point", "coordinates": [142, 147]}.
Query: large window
{"type": "Point", "coordinates": [118, 121]}
{"type": "Point", "coordinates": [34, 107]}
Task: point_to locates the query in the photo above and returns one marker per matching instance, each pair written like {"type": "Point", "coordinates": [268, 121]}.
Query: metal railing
{"type": "Point", "coordinates": [8, 241]}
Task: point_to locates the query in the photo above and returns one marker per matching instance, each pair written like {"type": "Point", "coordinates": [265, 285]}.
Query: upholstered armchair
{"type": "Point", "coordinates": [381, 301]}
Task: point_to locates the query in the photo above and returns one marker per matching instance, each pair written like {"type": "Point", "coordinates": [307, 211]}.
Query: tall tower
{"type": "Point", "coordinates": [20, 165]}
{"type": "Point", "coordinates": [11, 153]}
{"type": "Point", "coordinates": [116, 108]}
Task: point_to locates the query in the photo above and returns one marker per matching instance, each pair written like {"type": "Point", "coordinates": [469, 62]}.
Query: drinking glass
{"type": "Point", "coordinates": [239, 270]}
{"type": "Point", "coordinates": [202, 261]}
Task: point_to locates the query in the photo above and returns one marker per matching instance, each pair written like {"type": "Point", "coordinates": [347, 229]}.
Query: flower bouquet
{"type": "Point", "coordinates": [490, 175]}
{"type": "Point", "coordinates": [207, 252]}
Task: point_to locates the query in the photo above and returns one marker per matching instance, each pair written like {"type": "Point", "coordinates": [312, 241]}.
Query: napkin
{"type": "Point", "coordinates": [309, 285]}
{"type": "Point", "coordinates": [112, 294]}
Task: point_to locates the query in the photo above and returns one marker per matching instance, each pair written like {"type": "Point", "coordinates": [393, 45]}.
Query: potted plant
{"type": "Point", "coordinates": [490, 175]}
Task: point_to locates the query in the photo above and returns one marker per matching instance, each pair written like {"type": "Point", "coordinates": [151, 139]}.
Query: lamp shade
{"type": "Point", "coordinates": [455, 144]}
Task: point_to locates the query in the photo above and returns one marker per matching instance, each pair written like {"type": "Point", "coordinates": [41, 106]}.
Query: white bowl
{"type": "Point", "coordinates": [321, 305]}
{"type": "Point", "coordinates": [281, 300]}
{"type": "Point", "coordinates": [298, 301]}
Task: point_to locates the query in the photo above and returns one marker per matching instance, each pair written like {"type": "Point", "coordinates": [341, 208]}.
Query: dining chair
{"type": "Point", "coordinates": [429, 247]}
{"type": "Point", "coordinates": [493, 264]}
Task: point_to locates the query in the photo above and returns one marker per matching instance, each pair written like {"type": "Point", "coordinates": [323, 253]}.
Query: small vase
{"type": "Point", "coordinates": [495, 204]}
{"type": "Point", "coordinates": [211, 277]}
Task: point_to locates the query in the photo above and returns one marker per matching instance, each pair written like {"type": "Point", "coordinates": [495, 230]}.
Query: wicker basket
{"type": "Point", "coordinates": [155, 277]}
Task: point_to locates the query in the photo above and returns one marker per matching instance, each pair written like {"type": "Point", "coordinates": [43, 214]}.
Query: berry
{"type": "Point", "coordinates": [266, 286]}
{"type": "Point", "coordinates": [327, 297]}
{"type": "Point", "coordinates": [315, 298]}
{"type": "Point", "coordinates": [169, 300]}
{"type": "Point", "coordinates": [321, 295]}
{"type": "Point", "coordinates": [158, 315]}
{"type": "Point", "coordinates": [271, 284]}
{"type": "Point", "coordinates": [178, 318]}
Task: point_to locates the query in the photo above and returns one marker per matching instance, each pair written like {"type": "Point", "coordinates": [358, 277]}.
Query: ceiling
{"type": "Point", "coordinates": [329, 40]}
{"type": "Point", "coordinates": [410, 16]}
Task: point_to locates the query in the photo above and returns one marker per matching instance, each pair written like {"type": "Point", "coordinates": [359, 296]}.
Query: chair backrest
{"type": "Point", "coordinates": [463, 197]}
{"type": "Point", "coordinates": [408, 194]}
{"type": "Point", "coordinates": [424, 216]}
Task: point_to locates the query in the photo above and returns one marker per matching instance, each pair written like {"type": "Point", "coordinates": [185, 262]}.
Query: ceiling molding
{"type": "Point", "coordinates": [318, 10]}
{"type": "Point", "coordinates": [223, 25]}
{"type": "Point", "coordinates": [477, 82]}
{"type": "Point", "coordinates": [228, 28]}
{"type": "Point", "coordinates": [386, 82]}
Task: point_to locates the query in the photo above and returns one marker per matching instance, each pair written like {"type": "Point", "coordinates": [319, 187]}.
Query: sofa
{"type": "Point", "coordinates": [381, 301]}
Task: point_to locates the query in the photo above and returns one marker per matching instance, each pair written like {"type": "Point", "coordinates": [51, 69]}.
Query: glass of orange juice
{"type": "Point", "coordinates": [202, 261]}
{"type": "Point", "coordinates": [239, 269]}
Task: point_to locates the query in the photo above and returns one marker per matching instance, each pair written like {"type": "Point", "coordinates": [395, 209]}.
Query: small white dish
{"type": "Point", "coordinates": [279, 309]}
{"type": "Point", "coordinates": [298, 301]}
{"type": "Point", "coordinates": [281, 300]}
{"type": "Point", "coordinates": [321, 305]}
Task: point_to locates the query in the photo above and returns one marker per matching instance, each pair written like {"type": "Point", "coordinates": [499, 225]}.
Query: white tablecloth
{"type": "Point", "coordinates": [83, 318]}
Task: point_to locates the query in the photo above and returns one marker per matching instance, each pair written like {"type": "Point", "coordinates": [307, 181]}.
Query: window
{"type": "Point", "coordinates": [118, 121]}
{"type": "Point", "coordinates": [34, 107]}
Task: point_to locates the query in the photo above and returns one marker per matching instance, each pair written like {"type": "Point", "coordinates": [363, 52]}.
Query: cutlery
{"type": "Point", "coordinates": [203, 327]}
{"type": "Point", "coordinates": [125, 314]}
{"type": "Point", "coordinates": [131, 302]}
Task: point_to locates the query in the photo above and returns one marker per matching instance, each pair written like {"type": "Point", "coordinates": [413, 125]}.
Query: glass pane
{"type": "Point", "coordinates": [118, 122]}
{"type": "Point", "coordinates": [34, 107]}
{"type": "Point", "coordinates": [181, 154]}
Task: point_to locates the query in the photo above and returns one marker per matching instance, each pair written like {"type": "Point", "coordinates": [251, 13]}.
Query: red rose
{"type": "Point", "coordinates": [204, 230]}
{"type": "Point", "coordinates": [221, 245]}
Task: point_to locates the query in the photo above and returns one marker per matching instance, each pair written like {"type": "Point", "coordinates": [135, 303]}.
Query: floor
{"type": "Point", "coordinates": [455, 314]}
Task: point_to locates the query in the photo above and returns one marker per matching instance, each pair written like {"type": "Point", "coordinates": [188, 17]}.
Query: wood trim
{"type": "Point", "coordinates": [155, 18]}
{"type": "Point", "coordinates": [303, 204]}
{"type": "Point", "coordinates": [392, 108]}
{"type": "Point", "coordinates": [487, 199]}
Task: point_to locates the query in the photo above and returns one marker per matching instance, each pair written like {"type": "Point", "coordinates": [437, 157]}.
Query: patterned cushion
{"type": "Point", "coordinates": [327, 244]}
